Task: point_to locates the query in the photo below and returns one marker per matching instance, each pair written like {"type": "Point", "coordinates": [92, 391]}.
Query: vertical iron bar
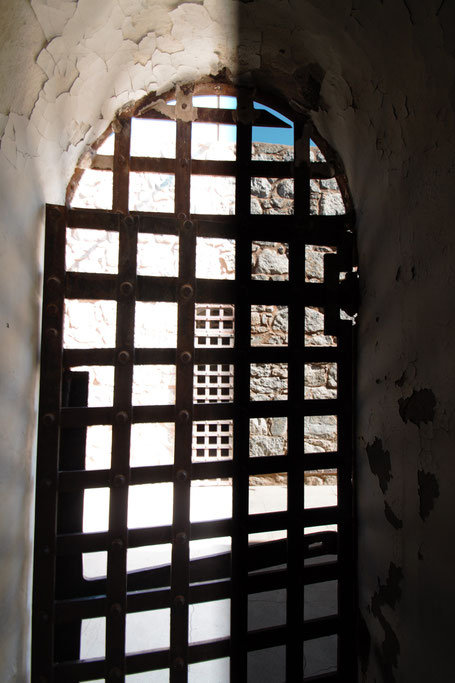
{"type": "Point", "coordinates": [184, 398]}
{"type": "Point", "coordinates": [116, 585]}
{"type": "Point", "coordinates": [296, 374]}
{"type": "Point", "coordinates": [48, 443]}
{"type": "Point", "coordinates": [240, 484]}
{"type": "Point", "coordinates": [69, 578]}
{"type": "Point", "coordinates": [121, 176]}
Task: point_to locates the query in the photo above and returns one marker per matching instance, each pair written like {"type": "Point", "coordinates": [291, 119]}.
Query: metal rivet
{"type": "Point", "coordinates": [56, 211]}
{"type": "Point", "coordinates": [46, 550]}
{"type": "Point", "coordinates": [178, 663]}
{"type": "Point", "coordinates": [51, 333]}
{"type": "Point", "coordinates": [116, 608]}
{"type": "Point", "coordinates": [44, 616]}
{"type": "Point", "coordinates": [124, 357]}
{"type": "Point", "coordinates": [181, 537]}
{"type": "Point", "coordinates": [129, 221]}
{"type": "Point", "coordinates": [117, 544]}
{"type": "Point", "coordinates": [179, 600]}
{"type": "Point", "coordinates": [119, 480]}
{"type": "Point", "coordinates": [121, 417]}
{"type": "Point", "coordinates": [186, 291]}
{"type": "Point", "coordinates": [47, 482]}
{"type": "Point", "coordinates": [183, 162]}
{"type": "Point", "coordinates": [184, 416]}
{"type": "Point", "coordinates": [182, 475]}
{"type": "Point", "coordinates": [184, 105]}
{"type": "Point", "coordinates": [181, 216]}
{"type": "Point", "coordinates": [54, 282]}
{"type": "Point", "coordinates": [52, 310]}
{"type": "Point", "coordinates": [188, 225]}
{"type": "Point", "coordinates": [126, 288]}
{"type": "Point", "coordinates": [115, 673]}
{"type": "Point", "coordinates": [48, 419]}
{"type": "Point", "coordinates": [185, 357]}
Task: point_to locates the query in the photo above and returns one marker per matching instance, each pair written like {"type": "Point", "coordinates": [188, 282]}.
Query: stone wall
{"type": "Point", "coordinates": [276, 195]}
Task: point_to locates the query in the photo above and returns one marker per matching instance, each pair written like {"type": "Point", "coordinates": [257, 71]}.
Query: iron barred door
{"type": "Point", "coordinates": [241, 407]}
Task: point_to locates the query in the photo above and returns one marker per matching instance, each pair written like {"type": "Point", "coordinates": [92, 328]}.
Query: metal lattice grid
{"type": "Point", "coordinates": [213, 383]}
{"type": "Point", "coordinates": [214, 325]}
{"type": "Point", "coordinates": [212, 440]}
{"type": "Point", "coordinates": [315, 543]}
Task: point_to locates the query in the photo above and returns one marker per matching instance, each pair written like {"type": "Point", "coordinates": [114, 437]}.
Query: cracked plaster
{"type": "Point", "coordinates": [96, 60]}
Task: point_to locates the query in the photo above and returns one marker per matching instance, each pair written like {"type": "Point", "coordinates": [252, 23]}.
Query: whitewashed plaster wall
{"type": "Point", "coordinates": [378, 79]}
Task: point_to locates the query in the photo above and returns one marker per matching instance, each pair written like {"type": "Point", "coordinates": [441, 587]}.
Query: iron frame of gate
{"type": "Point", "coordinates": [62, 598]}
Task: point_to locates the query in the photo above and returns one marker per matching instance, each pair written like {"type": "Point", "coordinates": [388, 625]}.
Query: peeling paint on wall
{"type": "Point", "coordinates": [391, 517]}
{"type": "Point", "coordinates": [364, 644]}
{"type": "Point", "coordinates": [387, 594]}
{"type": "Point", "coordinates": [408, 375]}
{"type": "Point", "coordinates": [419, 407]}
{"type": "Point", "coordinates": [380, 465]}
{"type": "Point", "coordinates": [428, 491]}
{"type": "Point", "coordinates": [387, 655]}
{"type": "Point", "coordinates": [390, 592]}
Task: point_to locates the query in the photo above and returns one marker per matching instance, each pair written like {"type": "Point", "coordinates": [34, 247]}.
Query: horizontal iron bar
{"type": "Point", "coordinates": [211, 571]}
{"type": "Point", "coordinates": [74, 672]}
{"type": "Point", "coordinates": [327, 406]}
{"type": "Point", "coordinates": [213, 411]}
{"type": "Point", "coordinates": [80, 417]}
{"type": "Point", "coordinates": [91, 286]}
{"type": "Point", "coordinates": [320, 228]}
{"type": "Point", "coordinates": [260, 117]}
{"type": "Point", "coordinates": [211, 470]}
{"type": "Point", "coordinates": [204, 652]}
{"type": "Point", "coordinates": [321, 627]}
{"type": "Point", "coordinates": [75, 480]}
{"type": "Point", "coordinates": [277, 635]}
{"type": "Point", "coordinates": [72, 544]}
{"type": "Point", "coordinates": [258, 168]}
{"type": "Point", "coordinates": [210, 167]}
{"type": "Point", "coordinates": [74, 357]}
{"type": "Point", "coordinates": [93, 219]}
{"type": "Point", "coordinates": [147, 661]}
{"type": "Point", "coordinates": [261, 639]}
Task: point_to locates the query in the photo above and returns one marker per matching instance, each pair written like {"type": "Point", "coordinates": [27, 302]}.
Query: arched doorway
{"type": "Point", "coordinates": [194, 386]}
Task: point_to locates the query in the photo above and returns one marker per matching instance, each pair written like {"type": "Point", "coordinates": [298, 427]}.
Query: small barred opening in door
{"type": "Point", "coordinates": [194, 516]}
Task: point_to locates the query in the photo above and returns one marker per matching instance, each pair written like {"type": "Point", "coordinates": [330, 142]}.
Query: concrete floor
{"type": "Point", "coordinates": [151, 504]}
